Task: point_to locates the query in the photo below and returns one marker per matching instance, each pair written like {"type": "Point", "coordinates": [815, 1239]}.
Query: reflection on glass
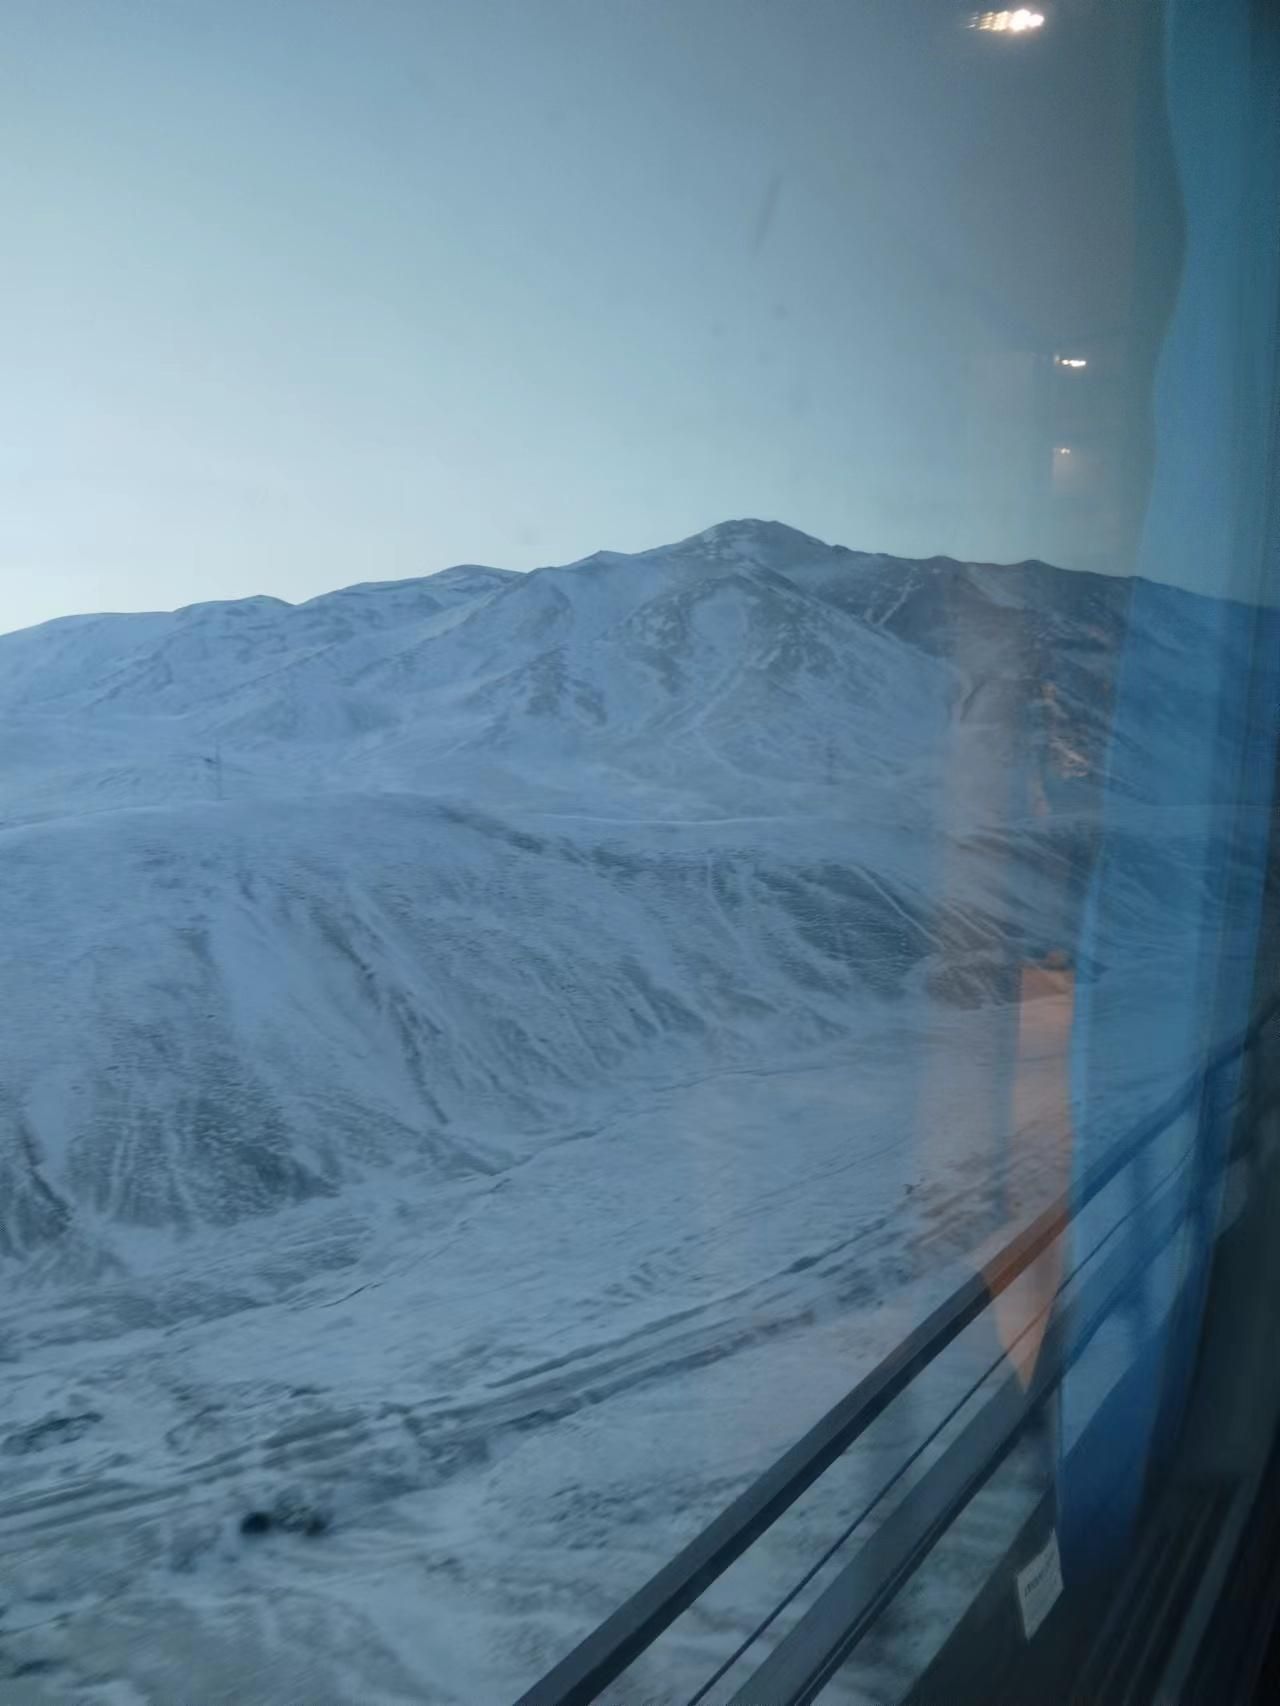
{"type": "Point", "coordinates": [1013, 22]}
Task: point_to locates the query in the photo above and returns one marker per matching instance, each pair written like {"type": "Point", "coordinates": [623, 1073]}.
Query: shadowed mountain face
{"type": "Point", "coordinates": [441, 871]}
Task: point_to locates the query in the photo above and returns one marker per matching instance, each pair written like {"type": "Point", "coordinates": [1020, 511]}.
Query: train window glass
{"type": "Point", "coordinates": [638, 680]}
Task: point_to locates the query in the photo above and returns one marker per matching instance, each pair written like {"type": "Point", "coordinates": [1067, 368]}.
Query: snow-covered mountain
{"type": "Point", "coordinates": [414, 869]}
{"type": "Point", "coordinates": [735, 672]}
{"type": "Point", "coordinates": [445, 1004]}
{"type": "Point", "coordinates": [710, 671]}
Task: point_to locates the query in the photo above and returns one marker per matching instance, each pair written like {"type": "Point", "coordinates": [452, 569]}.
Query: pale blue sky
{"type": "Point", "coordinates": [305, 292]}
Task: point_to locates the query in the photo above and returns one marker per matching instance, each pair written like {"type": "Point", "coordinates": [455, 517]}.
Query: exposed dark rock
{"type": "Point", "coordinates": [48, 1432]}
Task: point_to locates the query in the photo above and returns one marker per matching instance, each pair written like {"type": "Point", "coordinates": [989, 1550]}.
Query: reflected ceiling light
{"type": "Point", "coordinates": [1070, 361]}
{"type": "Point", "coordinates": [1015, 23]}
{"type": "Point", "coordinates": [1064, 450]}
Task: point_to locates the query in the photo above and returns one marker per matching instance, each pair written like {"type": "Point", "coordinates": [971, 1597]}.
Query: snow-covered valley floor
{"type": "Point", "coordinates": [511, 1398]}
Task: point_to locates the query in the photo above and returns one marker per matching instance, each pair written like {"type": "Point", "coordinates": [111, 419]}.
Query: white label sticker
{"type": "Point", "coordinates": [1039, 1585]}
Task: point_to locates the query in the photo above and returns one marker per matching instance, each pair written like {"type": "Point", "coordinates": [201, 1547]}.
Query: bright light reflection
{"type": "Point", "coordinates": [1016, 22]}
{"type": "Point", "coordinates": [1070, 361]}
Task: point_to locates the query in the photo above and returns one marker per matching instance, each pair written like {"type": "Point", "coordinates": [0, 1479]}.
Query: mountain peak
{"type": "Point", "coordinates": [749, 534]}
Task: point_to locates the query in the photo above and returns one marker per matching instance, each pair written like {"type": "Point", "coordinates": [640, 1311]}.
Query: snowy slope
{"type": "Point", "coordinates": [224, 1011]}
